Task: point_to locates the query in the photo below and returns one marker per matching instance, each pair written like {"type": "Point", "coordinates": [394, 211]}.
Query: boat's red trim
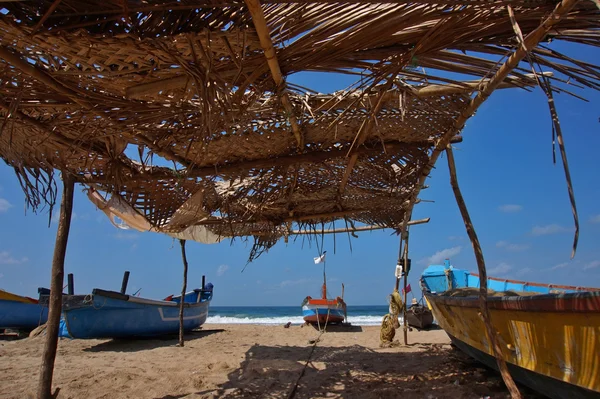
{"type": "Point", "coordinates": [561, 287]}
{"type": "Point", "coordinates": [569, 302]}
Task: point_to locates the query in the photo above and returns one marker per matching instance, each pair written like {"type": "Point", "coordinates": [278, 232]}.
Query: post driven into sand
{"type": "Point", "coordinates": [56, 285]}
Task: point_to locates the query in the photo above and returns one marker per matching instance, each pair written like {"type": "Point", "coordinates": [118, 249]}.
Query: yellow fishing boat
{"type": "Point", "coordinates": [549, 334]}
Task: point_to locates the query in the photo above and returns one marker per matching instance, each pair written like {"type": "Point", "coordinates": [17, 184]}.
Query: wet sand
{"type": "Point", "coordinates": [253, 361]}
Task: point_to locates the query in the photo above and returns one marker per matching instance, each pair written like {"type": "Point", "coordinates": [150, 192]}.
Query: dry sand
{"type": "Point", "coordinates": [252, 361]}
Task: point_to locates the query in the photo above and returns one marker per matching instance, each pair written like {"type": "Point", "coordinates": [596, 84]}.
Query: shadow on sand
{"type": "Point", "coordinates": [145, 343]}
{"type": "Point", "coordinates": [357, 372]}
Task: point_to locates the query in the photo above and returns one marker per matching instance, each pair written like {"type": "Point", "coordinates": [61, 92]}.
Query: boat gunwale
{"type": "Point", "coordinates": [325, 302]}
{"type": "Point", "coordinates": [530, 284]}
{"type": "Point", "coordinates": [144, 301]}
{"type": "Point", "coordinates": [580, 302]}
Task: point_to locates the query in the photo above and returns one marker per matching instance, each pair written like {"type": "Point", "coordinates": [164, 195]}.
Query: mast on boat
{"type": "Point", "coordinates": [321, 259]}
{"type": "Point", "coordinates": [324, 293]}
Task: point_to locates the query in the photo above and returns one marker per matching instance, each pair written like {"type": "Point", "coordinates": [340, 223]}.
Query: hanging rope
{"type": "Point", "coordinates": [390, 322]}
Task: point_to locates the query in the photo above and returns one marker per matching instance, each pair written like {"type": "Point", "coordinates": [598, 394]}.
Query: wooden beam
{"type": "Point", "coordinates": [56, 287]}
{"type": "Point", "coordinates": [432, 90]}
{"type": "Point", "coordinates": [356, 229]}
{"type": "Point", "coordinates": [177, 82]}
{"type": "Point", "coordinates": [260, 23]}
{"type": "Point", "coordinates": [483, 306]}
{"type": "Point", "coordinates": [264, 163]}
{"type": "Point", "coordinates": [466, 87]}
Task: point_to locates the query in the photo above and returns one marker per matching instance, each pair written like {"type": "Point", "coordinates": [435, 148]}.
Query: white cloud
{"type": "Point", "coordinates": [499, 270]}
{"type": "Point", "coordinates": [546, 230]}
{"type": "Point", "coordinates": [4, 205]}
{"type": "Point", "coordinates": [510, 208]}
{"type": "Point", "coordinates": [593, 219]}
{"type": "Point", "coordinates": [222, 269]}
{"type": "Point", "coordinates": [7, 259]}
{"type": "Point", "coordinates": [439, 256]}
{"type": "Point", "coordinates": [560, 266]}
{"type": "Point", "coordinates": [512, 247]}
{"type": "Point", "coordinates": [592, 265]}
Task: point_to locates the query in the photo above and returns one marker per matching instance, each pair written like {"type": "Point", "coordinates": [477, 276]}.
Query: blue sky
{"type": "Point", "coordinates": [517, 199]}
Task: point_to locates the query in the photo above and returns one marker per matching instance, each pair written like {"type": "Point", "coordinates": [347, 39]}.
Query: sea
{"type": "Point", "coordinates": [279, 315]}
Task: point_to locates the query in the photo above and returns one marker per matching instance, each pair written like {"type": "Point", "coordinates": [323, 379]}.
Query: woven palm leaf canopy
{"type": "Point", "coordinates": [180, 112]}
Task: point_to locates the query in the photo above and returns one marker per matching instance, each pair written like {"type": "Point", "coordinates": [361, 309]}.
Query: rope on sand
{"type": "Point", "coordinates": [389, 324]}
{"type": "Point", "coordinates": [292, 393]}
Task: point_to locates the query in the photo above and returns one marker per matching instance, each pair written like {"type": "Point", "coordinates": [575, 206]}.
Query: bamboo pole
{"type": "Point", "coordinates": [260, 23]}
{"type": "Point", "coordinates": [358, 229]}
{"type": "Point", "coordinates": [397, 285]}
{"type": "Point", "coordinates": [56, 286]}
{"type": "Point", "coordinates": [405, 268]}
{"type": "Point", "coordinates": [483, 306]}
{"type": "Point", "coordinates": [183, 288]}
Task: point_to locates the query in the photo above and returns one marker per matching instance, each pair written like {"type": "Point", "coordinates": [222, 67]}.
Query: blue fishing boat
{"type": "Point", "coordinates": [110, 314]}
{"type": "Point", "coordinates": [21, 313]}
{"type": "Point", "coordinates": [549, 334]}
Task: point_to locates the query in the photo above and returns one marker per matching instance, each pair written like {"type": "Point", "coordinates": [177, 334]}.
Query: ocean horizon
{"type": "Point", "coordinates": [274, 315]}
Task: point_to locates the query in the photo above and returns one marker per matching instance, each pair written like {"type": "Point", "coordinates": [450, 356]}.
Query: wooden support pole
{"type": "Point", "coordinates": [56, 286]}
{"type": "Point", "coordinates": [397, 285]}
{"type": "Point", "coordinates": [405, 268]}
{"type": "Point", "coordinates": [485, 314]}
{"type": "Point", "coordinates": [183, 288]}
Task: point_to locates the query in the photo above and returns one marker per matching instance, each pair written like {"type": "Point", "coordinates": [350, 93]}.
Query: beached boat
{"type": "Point", "coordinates": [21, 313]}
{"type": "Point", "coordinates": [419, 316]}
{"type": "Point", "coordinates": [324, 311]}
{"type": "Point", "coordinates": [110, 314]}
{"type": "Point", "coordinates": [549, 334]}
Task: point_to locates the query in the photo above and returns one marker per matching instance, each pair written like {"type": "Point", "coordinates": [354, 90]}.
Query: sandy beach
{"type": "Point", "coordinates": [252, 361]}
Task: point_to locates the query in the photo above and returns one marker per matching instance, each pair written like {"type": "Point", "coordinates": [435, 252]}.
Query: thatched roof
{"type": "Point", "coordinates": [184, 104]}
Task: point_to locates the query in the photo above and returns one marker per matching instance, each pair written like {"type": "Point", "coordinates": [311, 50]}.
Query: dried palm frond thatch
{"type": "Point", "coordinates": [174, 105]}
